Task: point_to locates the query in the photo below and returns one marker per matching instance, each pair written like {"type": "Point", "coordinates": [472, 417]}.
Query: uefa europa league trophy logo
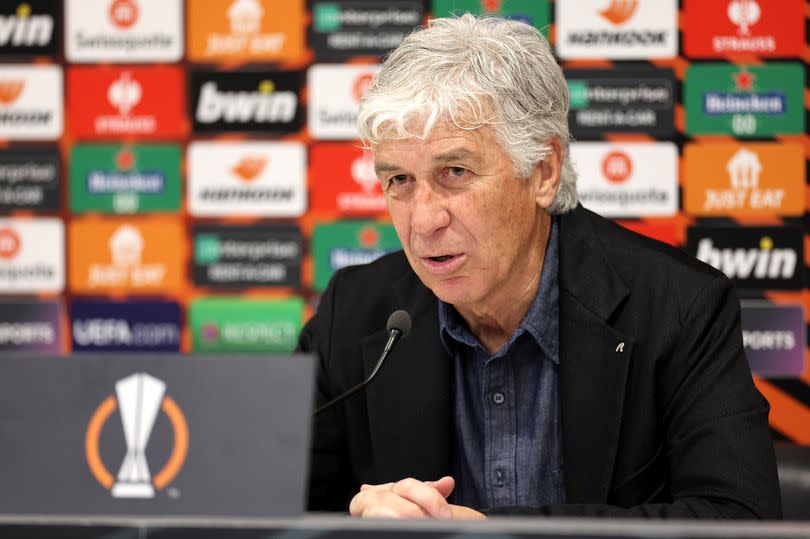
{"type": "Point", "coordinates": [139, 398]}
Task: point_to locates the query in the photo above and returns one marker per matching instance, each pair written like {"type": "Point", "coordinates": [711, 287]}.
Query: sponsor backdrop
{"type": "Point", "coordinates": [183, 176]}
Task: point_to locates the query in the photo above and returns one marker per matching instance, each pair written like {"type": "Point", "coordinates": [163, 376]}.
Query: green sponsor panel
{"type": "Point", "coordinates": [534, 12]}
{"type": "Point", "coordinates": [326, 17]}
{"type": "Point", "coordinates": [578, 93]}
{"type": "Point", "coordinates": [245, 325]}
{"type": "Point", "coordinates": [744, 101]}
{"type": "Point", "coordinates": [125, 179]}
{"type": "Point", "coordinates": [349, 243]}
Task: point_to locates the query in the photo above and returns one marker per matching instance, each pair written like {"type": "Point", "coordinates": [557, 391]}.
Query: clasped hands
{"type": "Point", "coordinates": [410, 498]}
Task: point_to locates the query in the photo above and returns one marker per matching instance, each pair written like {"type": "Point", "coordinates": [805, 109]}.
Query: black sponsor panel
{"type": "Point", "coordinates": [755, 258]}
{"type": "Point", "coordinates": [341, 30]}
{"type": "Point", "coordinates": [29, 180]}
{"type": "Point", "coordinates": [30, 27]}
{"type": "Point", "coordinates": [247, 256]}
{"type": "Point", "coordinates": [30, 326]}
{"type": "Point", "coordinates": [624, 100]}
{"type": "Point", "coordinates": [246, 101]}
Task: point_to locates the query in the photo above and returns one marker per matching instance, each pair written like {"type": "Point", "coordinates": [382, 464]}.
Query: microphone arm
{"type": "Point", "coordinates": [399, 324]}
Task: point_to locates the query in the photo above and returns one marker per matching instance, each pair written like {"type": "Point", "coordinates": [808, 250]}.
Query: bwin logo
{"type": "Point", "coordinates": [22, 29]}
{"type": "Point", "coordinates": [763, 263]}
{"type": "Point", "coordinates": [263, 105]}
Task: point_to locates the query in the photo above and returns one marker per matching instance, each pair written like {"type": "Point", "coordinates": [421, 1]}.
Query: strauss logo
{"type": "Point", "coordinates": [744, 13]}
{"type": "Point", "coordinates": [125, 93]}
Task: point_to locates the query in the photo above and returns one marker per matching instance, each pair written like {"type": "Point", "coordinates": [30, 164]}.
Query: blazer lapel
{"type": "Point", "coordinates": [409, 402]}
{"type": "Point", "coordinates": [594, 360]}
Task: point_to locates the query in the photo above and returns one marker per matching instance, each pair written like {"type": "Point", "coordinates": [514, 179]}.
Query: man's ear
{"type": "Point", "coordinates": [548, 173]}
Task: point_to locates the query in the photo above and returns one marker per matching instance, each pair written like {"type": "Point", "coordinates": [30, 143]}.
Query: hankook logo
{"type": "Point", "coordinates": [138, 398]}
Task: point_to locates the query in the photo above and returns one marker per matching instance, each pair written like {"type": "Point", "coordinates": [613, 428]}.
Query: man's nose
{"type": "Point", "coordinates": [430, 210]}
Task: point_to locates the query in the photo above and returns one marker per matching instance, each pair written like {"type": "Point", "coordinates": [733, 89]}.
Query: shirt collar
{"type": "Point", "coordinates": [541, 320]}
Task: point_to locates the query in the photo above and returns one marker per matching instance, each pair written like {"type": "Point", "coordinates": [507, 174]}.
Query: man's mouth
{"type": "Point", "coordinates": [444, 264]}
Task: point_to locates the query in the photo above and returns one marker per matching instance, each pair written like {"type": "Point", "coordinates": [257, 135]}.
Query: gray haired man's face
{"type": "Point", "coordinates": [472, 231]}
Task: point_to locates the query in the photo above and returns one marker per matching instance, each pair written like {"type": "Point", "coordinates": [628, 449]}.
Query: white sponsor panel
{"type": "Point", "coordinates": [617, 29]}
{"type": "Point", "coordinates": [263, 179]}
{"type": "Point", "coordinates": [31, 102]}
{"type": "Point", "coordinates": [32, 256]}
{"type": "Point", "coordinates": [627, 179]}
{"type": "Point", "coordinates": [334, 99]}
{"type": "Point", "coordinates": [124, 31]}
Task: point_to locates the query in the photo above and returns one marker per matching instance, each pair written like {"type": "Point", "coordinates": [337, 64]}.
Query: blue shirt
{"type": "Point", "coordinates": [508, 438]}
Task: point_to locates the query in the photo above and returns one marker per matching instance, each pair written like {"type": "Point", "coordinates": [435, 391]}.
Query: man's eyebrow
{"type": "Point", "coordinates": [380, 167]}
{"type": "Point", "coordinates": [455, 155]}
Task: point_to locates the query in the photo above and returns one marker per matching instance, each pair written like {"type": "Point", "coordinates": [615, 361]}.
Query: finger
{"type": "Point", "coordinates": [372, 503]}
{"type": "Point", "coordinates": [384, 486]}
{"type": "Point", "coordinates": [425, 496]}
{"type": "Point", "coordinates": [445, 485]}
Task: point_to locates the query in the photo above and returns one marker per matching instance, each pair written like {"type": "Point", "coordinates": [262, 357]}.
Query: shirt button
{"type": "Point", "coordinates": [498, 397]}
{"type": "Point", "coordinates": [499, 478]}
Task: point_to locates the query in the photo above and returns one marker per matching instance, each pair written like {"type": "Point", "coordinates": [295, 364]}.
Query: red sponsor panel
{"type": "Point", "coordinates": [115, 102]}
{"type": "Point", "coordinates": [764, 28]}
{"type": "Point", "coordinates": [343, 181]}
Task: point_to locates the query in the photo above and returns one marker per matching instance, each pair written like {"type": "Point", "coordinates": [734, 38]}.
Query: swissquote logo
{"type": "Point", "coordinates": [31, 256]}
{"type": "Point", "coordinates": [629, 179]}
{"type": "Point", "coordinates": [335, 92]}
{"type": "Point", "coordinates": [138, 399]}
{"type": "Point", "coordinates": [30, 102]}
{"type": "Point", "coordinates": [752, 257]}
{"type": "Point", "coordinates": [240, 101]}
{"type": "Point", "coordinates": [24, 30]}
{"type": "Point", "coordinates": [617, 29]}
{"type": "Point", "coordinates": [123, 31]}
{"type": "Point", "coordinates": [9, 243]}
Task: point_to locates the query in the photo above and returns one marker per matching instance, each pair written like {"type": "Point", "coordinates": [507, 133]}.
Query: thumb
{"type": "Point", "coordinates": [445, 485]}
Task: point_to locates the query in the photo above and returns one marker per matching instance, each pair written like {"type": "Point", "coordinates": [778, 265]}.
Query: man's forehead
{"type": "Point", "coordinates": [441, 144]}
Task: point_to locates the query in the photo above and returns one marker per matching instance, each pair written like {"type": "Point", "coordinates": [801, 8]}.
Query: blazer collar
{"type": "Point", "coordinates": [595, 359]}
{"type": "Point", "coordinates": [409, 404]}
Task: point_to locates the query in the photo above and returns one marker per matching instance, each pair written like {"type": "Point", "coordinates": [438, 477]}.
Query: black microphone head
{"type": "Point", "coordinates": [401, 321]}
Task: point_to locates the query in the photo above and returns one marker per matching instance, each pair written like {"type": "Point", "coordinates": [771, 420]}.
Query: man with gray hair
{"type": "Point", "coordinates": [558, 364]}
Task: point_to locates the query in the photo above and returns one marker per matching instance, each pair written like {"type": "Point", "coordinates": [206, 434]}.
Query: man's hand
{"type": "Point", "coordinates": [410, 498]}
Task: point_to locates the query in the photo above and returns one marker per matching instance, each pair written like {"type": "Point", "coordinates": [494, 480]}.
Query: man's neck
{"type": "Point", "coordinates": [494, 322]}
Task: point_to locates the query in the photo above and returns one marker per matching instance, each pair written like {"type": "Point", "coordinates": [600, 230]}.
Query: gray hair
{"type": "Point", "coordinates": [476, 71]}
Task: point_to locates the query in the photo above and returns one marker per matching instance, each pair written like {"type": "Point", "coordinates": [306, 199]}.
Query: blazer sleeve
{"type": "Point", "coordinates": [717, 441]}
{"type": "Point", "coordinates": [329, 483]}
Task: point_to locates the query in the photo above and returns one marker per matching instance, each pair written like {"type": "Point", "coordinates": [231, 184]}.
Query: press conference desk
{"type": "Point", "coordinates": [328, 527]}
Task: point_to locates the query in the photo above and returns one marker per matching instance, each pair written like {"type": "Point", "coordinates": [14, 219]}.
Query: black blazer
{"type": "Point", "coordinates": [660, 416]}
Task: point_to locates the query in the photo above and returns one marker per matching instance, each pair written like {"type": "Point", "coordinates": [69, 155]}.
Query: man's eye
{"type": "Point", "coordinates": [457, 171]}
{"type": "Point", "coordinates": [399, 179]}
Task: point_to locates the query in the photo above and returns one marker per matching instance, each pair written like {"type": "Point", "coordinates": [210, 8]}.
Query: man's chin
{"type": "Point", "coordinates": [455, 291]}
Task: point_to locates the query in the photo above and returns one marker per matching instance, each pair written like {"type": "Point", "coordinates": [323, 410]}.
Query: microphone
{"type": "Point", "coordinates": [398, 326]}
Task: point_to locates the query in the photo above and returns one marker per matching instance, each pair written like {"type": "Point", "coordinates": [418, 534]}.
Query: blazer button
{"type": "Point", "coordinates": [498, 397]}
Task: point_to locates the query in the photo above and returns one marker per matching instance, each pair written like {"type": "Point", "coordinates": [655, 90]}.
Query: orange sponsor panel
{"type": "Point", "coordinates": [245, 30]}
{"type": "Point", "coordinates": [132, 256]}
{"type": "Point", "coordinates": [744, 180]}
